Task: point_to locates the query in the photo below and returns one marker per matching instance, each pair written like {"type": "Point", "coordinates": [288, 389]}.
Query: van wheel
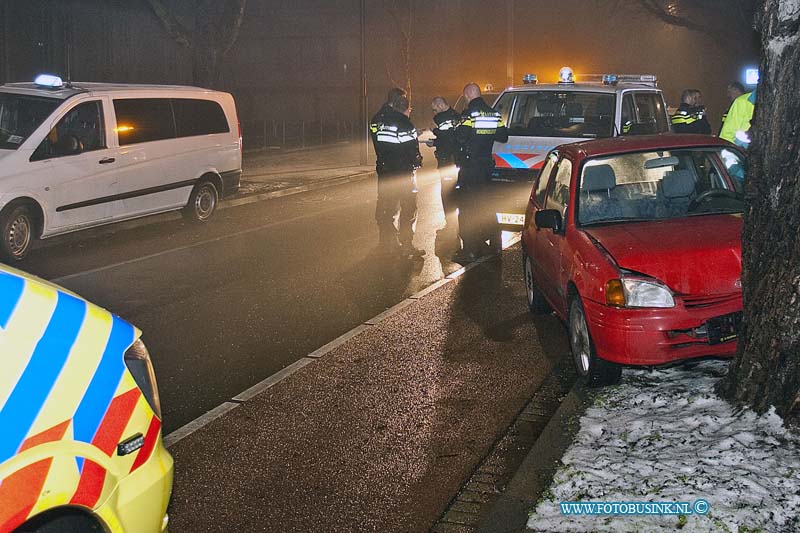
{"type": "Point", "coordinates": [18, 228]}
{"type": "Point", "coordinates": [592, 370]}
{"type": "Point", "coordinates": [536, 302]}
{"type": "Point", "coordinates": [202, 202]}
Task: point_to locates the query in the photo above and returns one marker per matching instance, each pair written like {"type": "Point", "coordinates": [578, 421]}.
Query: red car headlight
{"type": "Point", "coordinates": [637, 292]}
{"type": "Point", "coordinates": [137, 359]}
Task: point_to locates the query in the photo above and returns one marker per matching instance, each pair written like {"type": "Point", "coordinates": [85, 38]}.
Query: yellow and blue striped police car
{"type": "Point", "coordinates": [80, 420]}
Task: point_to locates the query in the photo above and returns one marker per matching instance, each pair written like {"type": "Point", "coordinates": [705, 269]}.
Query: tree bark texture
{"type": "Point", "coordinates": [766, 371]}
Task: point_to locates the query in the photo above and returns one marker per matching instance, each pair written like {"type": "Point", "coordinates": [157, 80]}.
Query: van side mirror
{"type": "Point", "coordinates": [549, 218]}
{"type": "Point", "coordinates": [69, 145]}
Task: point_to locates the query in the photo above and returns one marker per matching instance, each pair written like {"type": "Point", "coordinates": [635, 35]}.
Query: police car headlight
{"type": "Point", "coordinates": [137, 359]}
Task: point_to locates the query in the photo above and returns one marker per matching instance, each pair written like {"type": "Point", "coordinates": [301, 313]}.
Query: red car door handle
{"type": "Point", "coordinates": [107, 160]}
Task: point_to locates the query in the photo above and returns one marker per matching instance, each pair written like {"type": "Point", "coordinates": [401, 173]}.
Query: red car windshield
{"type": "Point", "coordinates": [660, 185]}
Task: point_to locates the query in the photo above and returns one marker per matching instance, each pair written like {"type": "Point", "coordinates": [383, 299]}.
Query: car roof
{"type": "Point", "coordinates": [640, 143]}
{"type": "Point", "coordinates": [584, 87]}
{"type": "Point", "coordinates": [78, 87]}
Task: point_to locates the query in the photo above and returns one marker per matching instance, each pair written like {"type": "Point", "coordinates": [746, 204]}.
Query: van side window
{"type": "Point", "coordinates": [80, 130]}
{"type": "Point", "coordinates": [142, 120]}
{"type": "Point", "coordinates": [198, 117]}
{"type": "Point", "coordinates": [628, 115]}
{"type": "Point", "coordinates": [651, 113]}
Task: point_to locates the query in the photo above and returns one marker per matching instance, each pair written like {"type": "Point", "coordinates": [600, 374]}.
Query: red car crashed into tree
{"type": "Point", "coordinates": [635, 242]}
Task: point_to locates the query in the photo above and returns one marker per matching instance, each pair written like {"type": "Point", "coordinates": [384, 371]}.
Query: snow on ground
{"type": "Point", "coordinates": [664, 436]}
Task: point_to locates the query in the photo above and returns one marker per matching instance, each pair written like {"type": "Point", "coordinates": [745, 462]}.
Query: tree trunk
{"type": "Point", "coordinates": [766, 371]}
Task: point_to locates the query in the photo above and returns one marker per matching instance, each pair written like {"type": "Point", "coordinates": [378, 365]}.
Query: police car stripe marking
{"type": "Point", "coordinates": [513, 160]}
{"type": "Point", "coordinates": [105, 381]}
{"type": "Point", "coordinates": [33, 388]}
{"type": "Point", "coordinates": [11, 288]}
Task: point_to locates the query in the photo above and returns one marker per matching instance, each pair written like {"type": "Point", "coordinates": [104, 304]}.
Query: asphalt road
{"type": "Point", "coordinates": [226, 304]}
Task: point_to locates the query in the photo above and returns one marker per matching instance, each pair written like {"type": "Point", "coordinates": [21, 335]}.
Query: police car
{"type": "Point", "coordinates": [543, 116]}
{"type": "Point", "coordinates": [80, 420]}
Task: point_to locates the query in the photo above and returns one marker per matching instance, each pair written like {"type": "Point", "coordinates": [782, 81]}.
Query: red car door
{"type": "Point", "coordinates": [548, 243]}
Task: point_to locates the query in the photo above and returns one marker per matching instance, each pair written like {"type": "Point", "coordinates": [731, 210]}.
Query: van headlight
{"type": "Point", "coordinates": [633, 292]}
{"type": "Point", "coordinates": [137, 359]}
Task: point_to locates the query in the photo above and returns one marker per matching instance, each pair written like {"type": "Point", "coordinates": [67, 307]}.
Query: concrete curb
{"type": "Point", "coordinates": [510, 511]}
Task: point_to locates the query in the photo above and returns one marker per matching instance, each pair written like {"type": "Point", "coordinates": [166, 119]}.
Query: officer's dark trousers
{"type": "Point", "coordinates": [477, 222]}
{"type": "Point", "coordinates": [395, 193]}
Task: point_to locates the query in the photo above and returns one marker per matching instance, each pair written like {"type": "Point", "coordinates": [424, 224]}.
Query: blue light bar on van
{"type": "Point", "coordinates": [530, 79]}
{"type": "Point", "coordinates": [610, 79]}
{"type": "Point", "coordinates": [48, 80]}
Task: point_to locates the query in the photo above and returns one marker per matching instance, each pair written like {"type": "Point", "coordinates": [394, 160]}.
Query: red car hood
{"type": "Point", "coordinates": [698, 255]}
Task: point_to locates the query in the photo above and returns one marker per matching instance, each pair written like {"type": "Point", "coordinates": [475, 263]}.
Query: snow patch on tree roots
{"type": "Point", "coordinates": [664, 436]}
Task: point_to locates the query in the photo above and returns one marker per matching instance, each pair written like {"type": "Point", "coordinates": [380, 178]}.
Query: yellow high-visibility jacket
{"type": "Point", "coordinates": [739, 116]}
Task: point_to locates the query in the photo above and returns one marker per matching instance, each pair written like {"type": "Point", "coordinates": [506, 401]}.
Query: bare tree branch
{"type": "Point", "coordinates": [234, 15]}
{"type": "Point", "coordinates": [176, 30]}
{"type": "Point", "coordinates": [655, 8]}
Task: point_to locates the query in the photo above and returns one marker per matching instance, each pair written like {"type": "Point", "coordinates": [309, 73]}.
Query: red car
{"type": "Point", "coordinates": [635, 242]}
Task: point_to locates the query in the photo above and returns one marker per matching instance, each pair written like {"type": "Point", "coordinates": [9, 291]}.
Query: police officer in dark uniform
{"type": "Point", "coordinates": [446, 120]}
{"type": "Point", "coordinates": [398, 157]}
{"type": "Point", "coordinates": [691, 115]}
{"type": "Point", "coordinates": [480, 127]}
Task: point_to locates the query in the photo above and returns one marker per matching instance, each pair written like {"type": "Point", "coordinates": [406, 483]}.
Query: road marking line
{"type": "Point", "coordinates": [277, 377]}
{"type": "Point", "coordinates": [203, 420]}
{"type": "Point", "coordinates": [323, 350]}
{"type": "Point", "coordinates": [62, 279]}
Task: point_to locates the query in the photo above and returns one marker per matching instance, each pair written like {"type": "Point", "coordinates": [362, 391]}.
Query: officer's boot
{"type": "Point", "coordinates": [388, 242]}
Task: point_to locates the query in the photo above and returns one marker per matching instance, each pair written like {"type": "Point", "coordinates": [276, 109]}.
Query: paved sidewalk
{"type": "Point", "coordinates": [274, 170]}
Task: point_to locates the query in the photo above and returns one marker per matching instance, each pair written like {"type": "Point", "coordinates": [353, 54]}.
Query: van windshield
{"type": "Point", "coordinates": [20, 115]}
{"type": "Point", "coordinates": [569, 114]}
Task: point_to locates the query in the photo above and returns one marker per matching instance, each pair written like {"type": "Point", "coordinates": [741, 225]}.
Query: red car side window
{"type": "Point", "coordinates": [558, 197]}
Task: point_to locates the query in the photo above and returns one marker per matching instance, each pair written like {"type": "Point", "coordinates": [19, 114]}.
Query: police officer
{"type": "Point", "coordinates": [691, 115]}
{"type": "Point", "coordinates": [480, 127]}
{"type": "Point", "coordinates": [398, 157]}
{"type": "Point", "coordinates": [446, 120]}
{"type": "Point", "coordinates": [735, 90]}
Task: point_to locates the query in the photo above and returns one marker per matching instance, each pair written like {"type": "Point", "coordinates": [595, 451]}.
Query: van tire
{"type": "Point", "coordinates": [17, 232]}
{"type": "Point", "coordinates": [203, 202]}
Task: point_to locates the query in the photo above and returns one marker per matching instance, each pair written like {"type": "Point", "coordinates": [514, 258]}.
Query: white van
{"type": "Point", "coordinates": [77, 155]}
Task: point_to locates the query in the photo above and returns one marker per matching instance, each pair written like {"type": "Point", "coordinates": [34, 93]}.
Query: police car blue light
{"type": "Point", "coordinates": [48, 80]}
{"type": "Point", "coordinates": [530, 79]}
{"type": "Point", "coordinates": [610, 79]}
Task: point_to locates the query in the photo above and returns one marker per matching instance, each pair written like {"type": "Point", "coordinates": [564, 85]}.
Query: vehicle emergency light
{"type": "Point", "coordinates": [48, 80]}
{"type": "Point", "coordinates": [610, 79]}
{"type": "Point", "coordinates": [488, 88]}
{"type": "Point", "coordinates": [565, 75]}
{"type": "Point", "coordinates": [530, 79]}
{"type": "Point", "coordinates": [751, 76]}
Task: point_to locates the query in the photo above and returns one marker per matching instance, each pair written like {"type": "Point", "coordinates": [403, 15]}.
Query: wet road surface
{"type": "Point", "coordinates": [226, 304]}
{"type": "Point", "coordinates": [380, 433]}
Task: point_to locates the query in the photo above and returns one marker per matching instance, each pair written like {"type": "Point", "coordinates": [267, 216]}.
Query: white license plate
{"type": "Point", "coordinates": [511, 218]}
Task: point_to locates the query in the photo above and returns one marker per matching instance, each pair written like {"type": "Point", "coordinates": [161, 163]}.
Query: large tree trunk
{"type": "Point", "coordinates": [766, 371]}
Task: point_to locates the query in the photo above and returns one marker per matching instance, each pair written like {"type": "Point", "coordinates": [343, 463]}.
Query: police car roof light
{"type": "Point", "coordinates": [530, 79]}
{"type": "Point", "coordinates": [565, 75]}
{"type": "Point", "coordinates": [610, 79]}
{"type": "Point", "coordinates": [48, 80]}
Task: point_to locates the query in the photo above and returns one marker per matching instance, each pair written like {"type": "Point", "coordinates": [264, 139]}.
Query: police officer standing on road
{"type": "Point", "coordinates": [480, 127]}
{"type": "Point", "coordinates": [735, 90]}
{"type": "Point", "coordinates": [398, 157]}
{"type": "Point", "coordinates": [691, 115]}
{"type": "Point", "coordinates": [446, 120]}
